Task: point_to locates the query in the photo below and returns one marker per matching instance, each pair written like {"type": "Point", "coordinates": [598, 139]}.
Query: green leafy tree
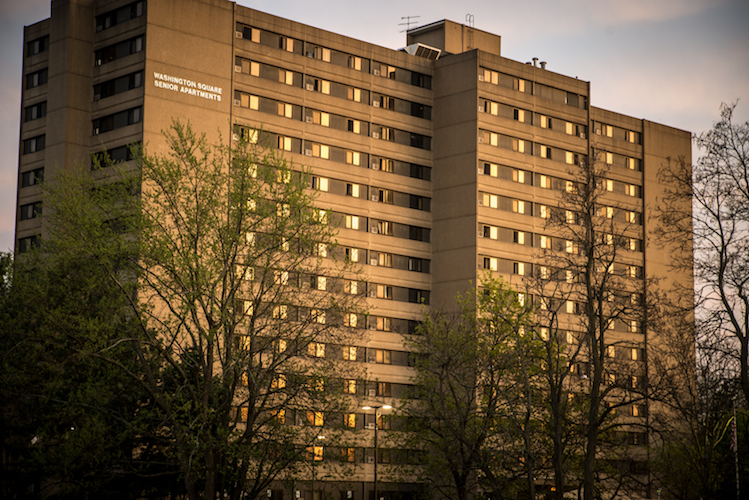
{"type": "Point", "coordinates": [234, 298]}
{"type": "Point", "coordinates": [477, 411]}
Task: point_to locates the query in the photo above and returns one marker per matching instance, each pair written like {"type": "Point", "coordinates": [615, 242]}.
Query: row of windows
{"type": "Point", "coordinates": [531, 118]}
{"type": "Point", "coordinates": [387, 228]}
{"type": "Point", "coordinates": [533, 88]}
{"type": "Point", "coordinates": [117, 154]}
{"type": "Point", "coordinates": [380, 195]}
{"type": "Point", "coordinates": [118, 50]}
{"type": "Point", "coordinates": [120, 15]}
{"type": "Point", "coordinates": [505, 266]}
{"type": "Point", "coordinates": [553, 243]}
{"type": "Point", "coordinates": [117, 120]}
{"type": "Point", "coordinates": [529, 147]}
{"type": "Point", "coordinates": [37, 46]}
{"type": "Point", "coordinates": [618, 160]}
{"type": "Point", "coordinates": [28, 243]}
{"type": "Point", "coordinates": [339, 90]}
{"type": "Point", "coordinates": [118, 85]}
{"type": "Point", "coordinates": [333, 56]}
{"type": "Point", "coordinates": [333, 153]}
{"type": "Point", "coordinates": [331, 120]}
{"type": "Point", "coordinates": [617, 133]}
{"type": "Point", "coordinates": [35, 111]}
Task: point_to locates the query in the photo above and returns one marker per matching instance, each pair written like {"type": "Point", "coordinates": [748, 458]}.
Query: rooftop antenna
{"type": "Point", "coordinates": [408, 22]}
{"type": "Point", "coordinates": [469, 23]}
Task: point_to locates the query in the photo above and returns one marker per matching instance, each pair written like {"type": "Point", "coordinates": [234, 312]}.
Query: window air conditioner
{"type": "Point", "coordinates": [481, 170]}
{"type": "Point", "coordinates": [237, 69]}
{"type": "Point", "coordinates": [238, 34]}
{"type": "Point", "coordinates": [375, 166]}
{"type": "Point", "coordinates": [373, 230]}
{"type": "Point", "coordinates": [374, 197]}
{"type": "Point", "coordinates": [373, 294]}
{"type": "Point", "coordinates": [308, 152]}
{"type": "Point", "coordinates": [234, 137]}
{"type": "Point", "coordinates": [308, 119]}
{"type": "Point", "coordinates": [376, 72]}
{"type": "Point", "coordinates": [375, 135]}
{"type": "Point", "coordinates": [371, 428]}
{"type": "Point", "coordinates": [582, 135]}
{"type": "Point", "coordinates": [481, 140]}
{"type": "Point", "coordinates": [237, 102]}
{"type": "Point", "coordinates": [374, 262]}
{"type": "Point", "coordinates": [481, 109]}
{"type": "Point", "coordinates": [309, 86]}
{"type": "Point", "coordinates": [481, 78]}
{"type": "Point", "coordinates": [370, 460]}
{"type": "Point", "coordinates": [376, 104]}
{"type": "Point", "coordinates": [481, 234]}
{"type": "Point", "coordinates": [371, 393]}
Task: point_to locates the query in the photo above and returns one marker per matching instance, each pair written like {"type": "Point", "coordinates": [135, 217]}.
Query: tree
{"type": "Point", "coordinates": [709, 201]}
{"type": "Point", "coordinates": [234, 298]}
{"type": "Point", "coordinates": [478, 400]}
{"type": "Point", "coordinates": [589, 299]}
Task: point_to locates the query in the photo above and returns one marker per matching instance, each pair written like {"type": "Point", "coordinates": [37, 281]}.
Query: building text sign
{"type": "Point", "coordinates": [185, 86]}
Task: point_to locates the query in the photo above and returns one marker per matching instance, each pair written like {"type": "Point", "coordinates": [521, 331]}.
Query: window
{"type": "Point", "coordinates": [354, 62]}
{"type": "Point", "coordinates": [286, 43]}
{"type": "Point", "coordinates": [352, 222]}
{"type": "Point", "coordinates": [489, 232]}
{"type": "Point", "coordinates": [32, 177]}
{"type": "Point", "coordinates": [546, 152]}
{"type": "Point", "coordinates": [609, 185]}
{"type": "Point", "coordinates": [385, 227]}
{"type": "Point", "coordinates": [349, 353]}
{"type": "Point", "coordinates": [352, 254]}
{"type": "Point", "coordinates": [31, 210]}
{"type": "Point", "coordinates": [545, 122]}
{"type": "Point", "coordinates": [518, 206]}
{"type": "Point", "coordinates": [385, 259]}
{"type": "Point", "coordinates": [544, 182]}
{"type": "Point", "coordinates": [349, 386]}
{"type": "Point", "coordinates": [544, 212]}
{"type": "Point", "coordinates": [33, 144]}
{"type": "Point", "coordinates": [117, 120]}
{"type": "Point", "coordinates": [489, 76]}
{"type": "Point", "coordinates": [609, 158]}
{"type": "Point", "coordinates": [37, 46]}
{"type": "Point", "coordinates": [349, 419]}
{"type": "Point", "coordinates": [319, 316]}
{"type": "Point", "coordinates": [352, 287]}
{"type": "Point", "coordinates": [319, 183]}
{"type": "Point", "coordinates": [634, 354]}
{"type": "Point", "coordinates": [286, 77]}
{"type": "Point", "coordinates": [518, 237]}
{"type": "Point", "coordinates": [544, 242]}
{"type": "Point", "coordinates": [489, 169]}
{"type": "Point", "coordinates": [319, 151]}
{"type": "Point", "coordinates": [520, 85]}
{"type": "Point", "coordinates": [316, 350]}
{"type": "Point", "coordinates": [518, 268]}
{"type": "Point", "coordinates": [384, 292]}
{"type": "Point", "coordinates": [352, 190]}
{"type": "Point", "coordinates": [26, 244]}
{"type": "Point", "coordinates": [517, 145]}
{"type": "Point", "coordinates": [351, 320]}
{"type": "Point", "coordinates": [354, 94]}
{"type": "Point", "coordinates": [118, 50]}
{"type": "Point", "coordinates": [489, 200]}
{"type": "Point", "coordinates": [320, 282]}
{"type": "Point", "coordinates": [380, 356]}
{"type": "Point", "coordinates": [490, 263]}
{"type": "Point", "coordinates": [384, 389]}
{"type": "Point", "coordinates": [315, 418]}
{"type": "Point", "coordinates": [354, 126]}
{"type": "Point", "coordinates": [518, 176]}
{"type": "Point", "coordinates": [35, 111]}
{"type": "Point", "coordinates": [36, 78]}
{"type": "Point", "coordinates": [322, 250]}
{"type": "Point", "coordinates": [118, 16]}
{"type": "Point", "coordinates": [633, 326]}
{"type": "Point", "coordinates": [383, 324]}
{"type": "Point", "coordinates": [118, 85]}
{"type": "Point", "coordinates": [281, 312]}
{"type": "Point", "coordinates": [519, 115]}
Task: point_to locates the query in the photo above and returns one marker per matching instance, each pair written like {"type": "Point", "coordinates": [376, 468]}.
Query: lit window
{"type": "Point", "coordinates": [315, 418]}
{"type": "Point", "coordinates": [570, 216]}
{"type": "Point", "coordinates": [569, 186]}
{"type": "Point", "coordinates": [351, 320]}
{"type": "Point", "coordinates": [634, 354]}
{"type": "Point", "coordinates": [517, 145]}
{"type": "Point", "coordinates": [519, 268]}
{"type": "Point", "coordinates": [545, 121]}
{"type": "Point", "coordinates": [493, 139]}
{"type": "Point", "coordinates": [283, 210]}
{"type": "Point", "coordinates": [352, 222]}
{"type": "Point", "coordinates": [544, 333]}
{"type": "Point", "coordinates": [519, 115]}
{"type": "Point", "coordinates": [569, 247]}
{"type": "Point", "coordinates": [570, 338]}
{"type": "Point", "coordinates": [609, 158]}
{"type": "Point", "coordinates": [545, 152]}
{"type": "Point", "coordinates": [281, 312]}
{"type": "Point", "coordinates": [489, 200]}
{"type": "Point", "coordinates": [349, 419]}
{"type": "Point", "coordinates": [609, 185]}
{"type": "Point", "coordinates": [352, 190]}
{"type": "Point", "coordinates": [518, 176]}
{"type": "Point", "coordinates": [570, 276]}
{"type": "Point", "coordinates": [632, 217]}
{"type": "Point", "coordinates": [322, 283]}
{"type": "Point", "coordinates": [285, 110]}
{"type": "Point", "coordinates": [569, 158]}
{"type": "Point", "coordinates": [284, 143]}
{"type": "Point", "coordinates": [352, 254]}
{"type": "Point", "coordinates": [518, 206]}
{"type": "Point", "coordinates": [354, 94]}
{"type": "Point", "coordinates": [319, 183]}
{"type": "Point", "coordinates": [611, 351]}
{"type": "Point", "coordinates": [518, 237]}
{"type": "Point", "coordinates": [544, 242]}
{"type": "Point", "coordinates": [570, 307]}
{"type": "Point", "coordinates": [609, 131]}
{"type": "Point", "coordinates": [490, 263]}
{"type": "Point", "coordinates": [322, 249]}
{"type": "Point", "coordinates": [354, 62]}
{"type": "Point", "coordinates": [352, 287]}
{"type": "Point", "coordinates": [544, 181]}
{"type": "Point", "coordinates": [349, 353]}
{"type": "Point", "coordinates": [633, 326]}
{"type": "Point", "coordinates": [319, 316]}
{"type": "Point", "coordinates": [569, 128]}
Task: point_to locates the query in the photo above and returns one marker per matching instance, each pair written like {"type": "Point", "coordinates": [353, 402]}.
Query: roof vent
{"type": "Point", "coordinates": [421, 50]}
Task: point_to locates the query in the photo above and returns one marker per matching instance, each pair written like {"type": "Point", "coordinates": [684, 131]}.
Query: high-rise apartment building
{"type": "Point", "coordinates": [441, 159]}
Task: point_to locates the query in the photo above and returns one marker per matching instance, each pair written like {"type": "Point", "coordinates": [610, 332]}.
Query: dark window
{"type": "Point", "coordinates": [118, 85]}
{"type": "Point", "coordinates": [35, 111]}
{"type": "Point", "coordinates": [118, 16]}
{"type": "Point", "coordinates": [117, 120]}
{"type": "Point", "coordinates": [418, 296]}
{"type": "Point", "coordinates": [31, 211]}
{"type": "Point", "coordinates": [32, 177]}
{"type": "Point", "coordinates": [421, 141]}
{"type": "Point", "coordinates": [37, 46]}
{"type": "Point", "coordinates": [118, 50]}
{"type": "Point", "coordinates": [26, 244]}
{"type": "Point", "coordinates": [109, 157]}
{"type": "Point", "coordinates": [418, 233]}
{"type": "Point", "coordinates": [421, 110]}
{"type": "Point", "coordinates": [36, 78]}
{"type": "Point", "coordinates": [420, 172]}
{"type": "Point", "coordinates": [33, 145]}
{"type": "Point", "coordinates": [421, 80]}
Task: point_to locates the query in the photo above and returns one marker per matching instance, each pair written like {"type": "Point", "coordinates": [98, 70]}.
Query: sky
{"type": "Point", "coordinates": [669, 61]}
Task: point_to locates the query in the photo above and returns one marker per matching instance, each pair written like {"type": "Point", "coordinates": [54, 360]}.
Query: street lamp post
{"type": "Point", "coordinates": [376, 409]}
